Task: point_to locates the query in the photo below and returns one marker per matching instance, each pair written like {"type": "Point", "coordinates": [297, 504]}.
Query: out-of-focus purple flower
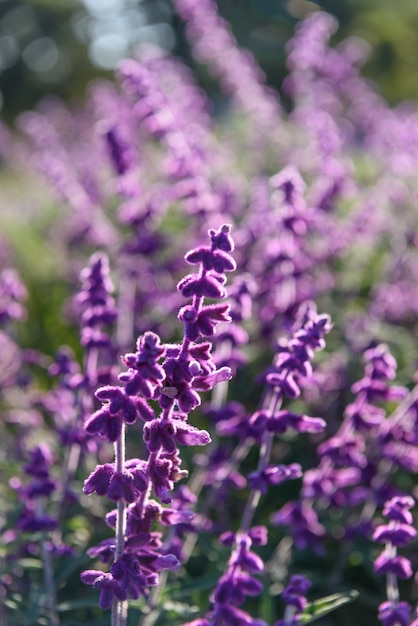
{"type": "Point", "coordinates": [293, 360]}
{"type": "Point", "coordinates": [12, 294]}
{"type": "Point", "coordinates": [95, 303]}
{"type": "Point", "coordinates": [302, 521]}
{"type": "Point", "coordinates": [33, 517]}
{"type": "Point", "coordinates": [121, 151]}
{"type": "Point", "coordinates": [274, 475]}
{"type": "Point", "coordinates": [294, 594]}
{"type": "Point", "coordinates": [239, 580]}
{"type": "Point", "coordinates": [214, 43]}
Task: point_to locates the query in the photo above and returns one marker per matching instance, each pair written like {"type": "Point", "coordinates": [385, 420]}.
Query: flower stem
{"type": "Point", "coordinates": [48, 572]}
{"type": "Point", "coordinates": [119, 608]}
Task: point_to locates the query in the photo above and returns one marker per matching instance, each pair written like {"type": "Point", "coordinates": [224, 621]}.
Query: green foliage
{"type": "Point", "coordinates": [319, 608]}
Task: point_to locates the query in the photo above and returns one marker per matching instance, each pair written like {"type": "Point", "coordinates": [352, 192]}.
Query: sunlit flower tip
{"type": "Point", "coordinates": [221, 238]}
{"type": "Point", "coordinates": [397, 509]}
{"type": "Point", "coordinates": [188, 435]}
{"type": "Point", "coordinates": [109, 393]}
{"type": "Point", "coordinates": [204, 383]}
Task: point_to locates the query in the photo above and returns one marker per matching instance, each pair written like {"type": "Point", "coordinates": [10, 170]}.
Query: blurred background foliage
{"type": "Point", "coordinates": [58, 46]}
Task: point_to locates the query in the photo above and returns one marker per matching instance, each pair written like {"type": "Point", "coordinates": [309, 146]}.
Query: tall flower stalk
{"type": "Point", "coordinates": [291, 367]}
{"type": "Point", "coordinates": [172, 375]}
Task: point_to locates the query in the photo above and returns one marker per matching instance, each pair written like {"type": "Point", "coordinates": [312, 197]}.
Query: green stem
{"type": "Point", "coordinates": [48, 572]}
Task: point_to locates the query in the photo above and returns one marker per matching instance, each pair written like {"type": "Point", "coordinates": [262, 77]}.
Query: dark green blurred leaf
{"type": "Point", "coordinates": [325, 605]}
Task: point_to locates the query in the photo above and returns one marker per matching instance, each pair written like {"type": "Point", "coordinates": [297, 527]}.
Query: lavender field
{"type": "Point", "coordinates": [208, 344]}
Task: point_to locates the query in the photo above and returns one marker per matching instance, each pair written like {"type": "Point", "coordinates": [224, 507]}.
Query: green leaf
{"type": "Point", "coordinates": [29, 563]}
{"type": "Point", "coordinates": [321, 607]}
{"type": "Point", "coordinates": [180, 609]}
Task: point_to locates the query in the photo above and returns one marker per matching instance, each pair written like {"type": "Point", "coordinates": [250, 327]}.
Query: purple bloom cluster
{"type": "Point", "coordinates": [353, 467]}
{"type": "Point", "coordinates": [292, 364]}
{"type": "Point", "coordinates": [239, 582]}
{"type": "Point", "coordinates": [95, 303]}
{"type": "Point", "coordinates": [237, 71]}
{"type": "Point", "coordinates": [294, 262]}
{"type": "Point", "coordinates": [172, 375]}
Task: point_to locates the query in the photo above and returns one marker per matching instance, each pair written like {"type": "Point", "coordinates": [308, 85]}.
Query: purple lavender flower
{"type": "Point", "coordinates": [95, 302]}
{"type": "Point", "coordinates": [173, 376]}
{"type": "Point", "coordinates": [288, 374]}
{"type": "Point", "coordinates": [239, 75]}
{"type": "Point", "coordinates": [239, 580]}
{"type": "Point", "coordinates": [12, 294]}
{"type": "Point", "coordinates": [33, 517]}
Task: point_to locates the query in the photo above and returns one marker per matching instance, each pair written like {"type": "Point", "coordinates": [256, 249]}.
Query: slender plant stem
{"type": "Point", "coordinates": [392, 589]}
{"type": "Point", "coordinates": [48, 572]}
{"type": "Point", "coordinates": [264, 458]}
{"type": "Point", "coordinates": [119, 608]}
{"type": "Point", "coordinates": [289, 612]}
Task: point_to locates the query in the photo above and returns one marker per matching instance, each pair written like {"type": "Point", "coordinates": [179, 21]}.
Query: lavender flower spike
{"type": "Point", "coordinates": [172, 376]}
